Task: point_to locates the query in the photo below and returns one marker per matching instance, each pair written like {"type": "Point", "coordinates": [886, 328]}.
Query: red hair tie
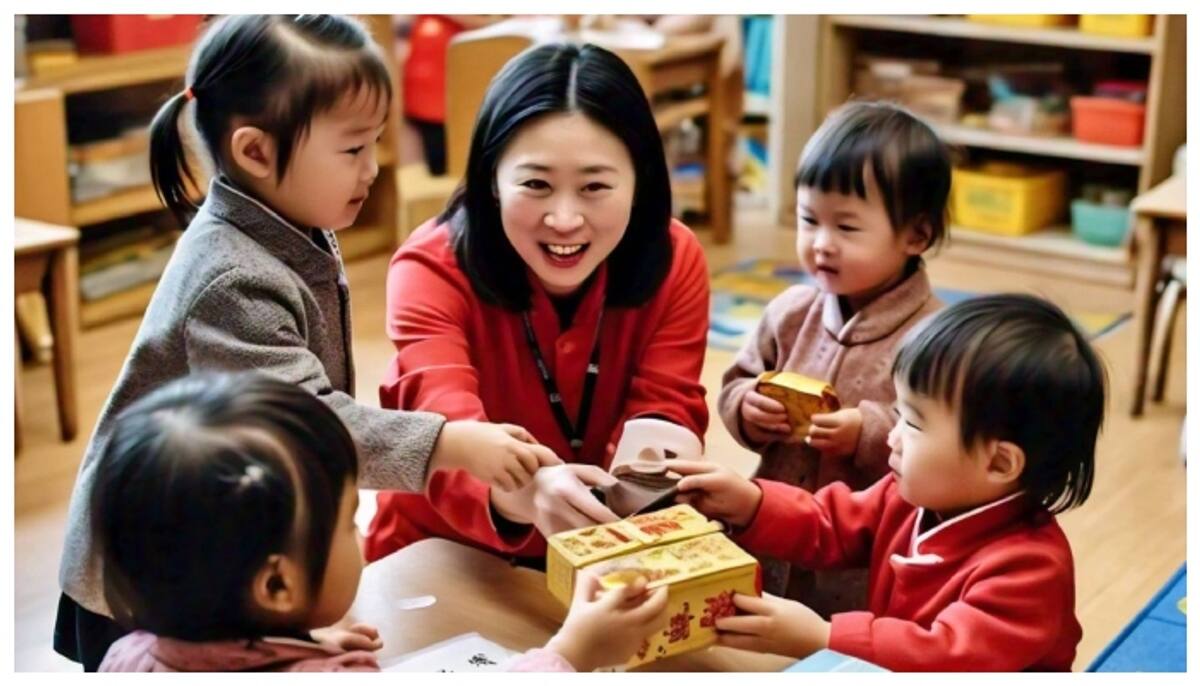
{"type": "Point", "coordinates": [188, 94]}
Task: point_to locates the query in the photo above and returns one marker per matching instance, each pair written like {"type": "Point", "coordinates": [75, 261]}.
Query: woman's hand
{"type": "Point", "coordinates": [764, 420]}
{"type": "Point", "coordinates": [559, 498]}
{"type": "Point", "coordinates": [353, 637]}
{"type": "Point", "coordinates": [605, 628]}
{"type": "Point", "coordinates": [836, 434]}
{"type": "Point", "coordinates": [504, 455]}
{"type": "Point", "coordinates": [716, 491]}
{"type": "Point", "coordinates": [773, 625]}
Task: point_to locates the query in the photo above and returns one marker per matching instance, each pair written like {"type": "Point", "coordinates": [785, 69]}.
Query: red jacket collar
{"type": "Point", "coordinates": [959, 536]}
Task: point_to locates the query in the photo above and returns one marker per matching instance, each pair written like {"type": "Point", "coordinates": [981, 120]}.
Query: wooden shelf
{"type": "Point", "coordinates": [116, 306]}
{"type": "Point", "coordinates": [1057, 146]}
{"type": "Point", "coordinates": [1065, 37]}
{"type": "Point", "coordinates": [111, 149]}
{"type": "Point", "coordinates": [1054, 250]}
{"type": "Point", "coordinates": [95, 73]}
{"type": "Point", "coordinates": [671, 115]}
{"type": "Point", "coordinates": [120, 204]}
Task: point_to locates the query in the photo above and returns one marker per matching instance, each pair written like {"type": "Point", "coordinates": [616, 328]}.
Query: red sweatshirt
{"type": "Point", "coordinates": [988, 590]}
{"type": "Point", "coordinates": [465, 359]}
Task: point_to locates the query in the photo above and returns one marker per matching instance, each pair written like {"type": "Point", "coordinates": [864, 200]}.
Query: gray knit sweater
{"type": "Point", "coordinates": [246, 290]}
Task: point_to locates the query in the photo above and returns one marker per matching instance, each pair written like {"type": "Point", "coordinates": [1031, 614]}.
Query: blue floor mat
{"type": "Point", "coordinates": [1156, 639]}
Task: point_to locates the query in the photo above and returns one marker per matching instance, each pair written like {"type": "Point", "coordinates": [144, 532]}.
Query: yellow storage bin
{"type": "Point", "coordinates": [1031, 20]}
{"type": "Point", "coordinates": [1007, 199]}
{"type": "Point", "coordinates": [1124, 25]}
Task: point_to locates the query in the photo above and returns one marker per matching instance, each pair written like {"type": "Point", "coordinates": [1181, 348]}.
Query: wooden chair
{"type": "Point", "coordinates": [1172, 289]}
{"type": "Point", "coordinates": [472, 59]}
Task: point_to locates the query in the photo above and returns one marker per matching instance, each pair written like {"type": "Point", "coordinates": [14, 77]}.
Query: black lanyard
{"type": "Point", "coordinates": [574, 433]}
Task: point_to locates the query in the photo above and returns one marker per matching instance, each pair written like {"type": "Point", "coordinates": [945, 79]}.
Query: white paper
{"type": "Point", "coordinates": [465, 653]}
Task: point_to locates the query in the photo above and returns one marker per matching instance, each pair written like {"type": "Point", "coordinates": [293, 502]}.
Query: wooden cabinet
{"type": "Point", "coordinates": [1159, 59]}
{"type": "Point", "coordinates": [51, 109]}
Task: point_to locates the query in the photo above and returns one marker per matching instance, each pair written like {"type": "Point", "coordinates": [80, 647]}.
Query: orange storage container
{"type": "Point", "coordinates": [1107, 120]}
{"type": "Point", "coordinates": [117, 33]}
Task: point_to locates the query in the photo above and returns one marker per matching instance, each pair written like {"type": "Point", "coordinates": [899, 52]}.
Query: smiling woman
{"type": "Point", "coordinates": [555, 292]}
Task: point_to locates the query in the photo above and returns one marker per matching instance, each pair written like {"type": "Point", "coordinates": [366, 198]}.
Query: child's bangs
{"type": "Point", "coordinates": [319, 84]}
{"type": "Point", "coordinates": [936, 360]}
{"type": "Point", "coordinates": [836, 162]}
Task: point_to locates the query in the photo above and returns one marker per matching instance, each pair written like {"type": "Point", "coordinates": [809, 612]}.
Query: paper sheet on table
{"type": "Point", "coordinates": [465, 653]}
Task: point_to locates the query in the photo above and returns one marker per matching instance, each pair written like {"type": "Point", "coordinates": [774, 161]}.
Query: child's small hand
{"type": "Point", "coordinates": [764, 420]}
{"type": "Point", "coordinates": [836, 434]}
{"type": "Point", "coordinates": [353, 637]}
{"type": "Point", "coordinates": [718, 492]}
{"type": "Point", "coordinates": [504, 455]}
{"type": "Point", "coordinates": [606, 628]}
{"type": "Point", "coordinates": [773, 625]}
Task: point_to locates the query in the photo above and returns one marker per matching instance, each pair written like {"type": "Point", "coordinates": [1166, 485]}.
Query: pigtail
{"type": "Point", "coordinates": [168, 160]}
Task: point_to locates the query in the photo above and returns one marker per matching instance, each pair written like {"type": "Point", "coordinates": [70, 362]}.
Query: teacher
{"type": "Point", "coordinates": [555, 292]}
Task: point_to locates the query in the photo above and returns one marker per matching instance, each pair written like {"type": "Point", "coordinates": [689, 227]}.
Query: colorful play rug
{"type": "Point", "coordinates": [740, 295]}
{"type": "Point", "coordinates": [1156, 639]}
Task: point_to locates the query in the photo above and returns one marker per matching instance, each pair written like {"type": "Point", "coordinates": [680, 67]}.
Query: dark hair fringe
{"type": "Point", "coordinates": [277, 71]}
{"type": "Point", "coordinates": [182, 520]}
{"type": "Point", "coordinates": [1018, 370]}
{"type": "Point", "coordinates": [534, 84]}
{"type": "Point", "coordinates": [910, 164]}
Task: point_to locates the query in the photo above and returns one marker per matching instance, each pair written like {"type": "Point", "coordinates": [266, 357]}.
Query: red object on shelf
{"type": "Point", "coordinates": [118, 33]}
{"type": "Point", "coordinates": [1107, 120]}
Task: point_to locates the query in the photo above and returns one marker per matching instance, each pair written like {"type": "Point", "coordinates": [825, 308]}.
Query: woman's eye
{"type": "Point", "coordinates": [355, 151]}
{"type": "Point", "coordinates": [847, 228]}
{"type": "Point", "coordinates": [535, 184]}
{"type": "Point", "coordinates": [595, 187]}
{"type": "Point", "coordinates": [810, 221]}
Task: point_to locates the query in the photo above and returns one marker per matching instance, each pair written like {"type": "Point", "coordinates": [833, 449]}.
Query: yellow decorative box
{"type": "Point", "coordinates": [803, 397]}
{"type": "Point", "coordinates": [1124, 25]}
{"type": "Point", "coordinates": [676, 547]}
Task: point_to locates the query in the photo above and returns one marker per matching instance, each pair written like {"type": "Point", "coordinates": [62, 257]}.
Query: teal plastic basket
{"type": "Point", "coordinates": [1100, 224]}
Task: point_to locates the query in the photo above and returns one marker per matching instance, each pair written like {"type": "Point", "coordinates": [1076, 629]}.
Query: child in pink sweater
{"type": "Point", "coordinates": [871, 194]}
{"type": "Point", "coordinates": [224, 508]}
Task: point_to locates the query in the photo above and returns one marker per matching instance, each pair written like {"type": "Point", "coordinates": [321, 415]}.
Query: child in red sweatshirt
{"type": "Point", "coordinates": [999, 403]}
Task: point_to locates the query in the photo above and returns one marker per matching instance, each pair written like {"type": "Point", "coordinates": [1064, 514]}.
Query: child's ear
{"type": "Point", "coordinates": [253, 151]}
{"type": "Point", "coordinates": [278, 586]}
{"type": "Point", "coordinates": [917, 237]}
{"type": "Point", "coordinates": [1006, 462]}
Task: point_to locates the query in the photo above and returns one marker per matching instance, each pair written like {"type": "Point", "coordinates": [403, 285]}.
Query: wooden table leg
{"type": "Point", "coordinates": [16, 392]}
{"type": "Point", "coordinates": [64, 317]}
{"type": "Point", "coordinates": [1149, 257]}
{"type": "Point", "coordinates": [717, 164]}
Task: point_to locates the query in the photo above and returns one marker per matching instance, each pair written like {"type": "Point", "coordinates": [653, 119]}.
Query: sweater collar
{"type": "Point", "coordinates": [291, 245]}
{"type": "Point", "coordinates": [960, 535]}
{"type": "Point", "coordinates": [882, 316]}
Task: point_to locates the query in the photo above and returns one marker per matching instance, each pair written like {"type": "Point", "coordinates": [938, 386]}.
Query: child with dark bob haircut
{"type": "Point", "coordinates": [871, 194]}
{"type": "Point", "coordinates": [224, 513]}
{"type": "Point", "coordinates": [999, 403]}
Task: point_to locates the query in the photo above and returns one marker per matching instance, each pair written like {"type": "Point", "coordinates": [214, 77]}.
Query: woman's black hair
{"type": "Point", "coordinates": [201, 481]}
{"type": "Point", "coordinates": [910, 164]}
{"type": "Point", "coordinates": [549, 79]}
{"type": "Point", "coordinates": [1018, 370]}
{"type": "Point", "coordinates": [278, 72]}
